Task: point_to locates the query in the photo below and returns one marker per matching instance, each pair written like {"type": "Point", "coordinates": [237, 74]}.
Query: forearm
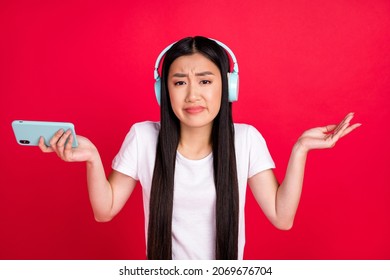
{"type": "Point", "coordinates": [99, 189]}
{"type": "Point", "coordinates": [280, 203]}
{"type": "Point", "coordinates": [289, 192]}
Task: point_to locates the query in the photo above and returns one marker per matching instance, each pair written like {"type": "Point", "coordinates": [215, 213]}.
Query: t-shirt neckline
{"type": "Point", "coordinates": [194, 161]}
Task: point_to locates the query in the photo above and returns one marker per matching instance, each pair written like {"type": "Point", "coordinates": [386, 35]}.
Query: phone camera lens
{"type": "Point", "coordinates": [24, 142]}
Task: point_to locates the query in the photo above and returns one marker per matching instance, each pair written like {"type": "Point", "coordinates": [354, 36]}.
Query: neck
{"type": "Point", "coordinates": [195, 143]}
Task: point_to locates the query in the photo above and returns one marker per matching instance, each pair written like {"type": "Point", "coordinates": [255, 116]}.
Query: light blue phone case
{"type": "Point", "coordinates": [27, 133]}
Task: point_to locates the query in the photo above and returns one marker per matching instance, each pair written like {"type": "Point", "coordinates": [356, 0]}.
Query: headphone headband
{"type": "Point", "coordinates": [232, 77]}
{"type": "Point", "coordinates": [158, 60]}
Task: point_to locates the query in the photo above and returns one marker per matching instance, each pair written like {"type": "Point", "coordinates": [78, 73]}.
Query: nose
{"type": "Point", "coordinates": [192, 93]}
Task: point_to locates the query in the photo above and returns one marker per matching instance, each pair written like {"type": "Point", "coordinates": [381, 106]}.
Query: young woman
{"type": "Point", "coordinates": [194, 165]}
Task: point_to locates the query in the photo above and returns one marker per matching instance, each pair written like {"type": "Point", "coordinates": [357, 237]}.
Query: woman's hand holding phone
{"type": "Point", "coordinates": [61, 144]}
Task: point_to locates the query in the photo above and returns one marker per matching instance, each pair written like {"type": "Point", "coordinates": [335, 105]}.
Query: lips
{"type": "Point", "coordinates": [194, 109]}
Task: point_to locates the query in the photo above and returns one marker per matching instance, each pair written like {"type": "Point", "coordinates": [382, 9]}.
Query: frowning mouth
{"type": "Point", "coordinates": [194, 109]}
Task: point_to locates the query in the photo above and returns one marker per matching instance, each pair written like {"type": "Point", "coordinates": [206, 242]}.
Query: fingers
{"type": "Point", "coordinates": [329, 128]}
{"type": "Point", "coordinates": [327, 136]}
{"type": "Point", "coordinates": [59, 144]}
{"type": "Point", "coordinates": [344, 128]}
{"type": "Point", "coordinates": [350, 129]}
{"type": "Point", "coordinates": [333, 130]}
{"type": "Point", "coordinates": [342, 124]}
{"type": "Point", "coordinates": [68, 148]}
{"type": "Point", "coordinates": [43, 147]}
{"type": "Point", "coordinates": [338, 131]}
{"type": "Point", "coordinates": [54, 140]}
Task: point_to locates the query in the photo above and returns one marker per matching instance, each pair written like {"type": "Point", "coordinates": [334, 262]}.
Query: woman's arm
{"type": "Point", "coordinates": [107, 197]}
{"type": "Point", "coordinates": [280, 203]}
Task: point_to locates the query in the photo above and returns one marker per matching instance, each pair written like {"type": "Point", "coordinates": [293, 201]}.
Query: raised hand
{"type": "Point", "coordinates": [327, 136]}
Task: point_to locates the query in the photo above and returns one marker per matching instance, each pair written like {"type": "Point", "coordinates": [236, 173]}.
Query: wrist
{"type": "Point", "coordinates": [94, 156]}
{"type": "Point", "coordinates": [300, 148]}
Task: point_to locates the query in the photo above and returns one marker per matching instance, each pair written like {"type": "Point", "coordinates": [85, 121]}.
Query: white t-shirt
{"type": "Point", "coordinates": [193, 221]}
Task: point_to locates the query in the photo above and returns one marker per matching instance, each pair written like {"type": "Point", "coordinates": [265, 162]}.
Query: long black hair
{"type": "Point", "coordinates": [159, 245]}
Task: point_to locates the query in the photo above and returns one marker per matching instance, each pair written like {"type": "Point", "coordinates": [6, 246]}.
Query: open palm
{"type": "Point", "coordinates": [327, 136]}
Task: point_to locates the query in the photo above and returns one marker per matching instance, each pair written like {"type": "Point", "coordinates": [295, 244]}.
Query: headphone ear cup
{"type": "Point", "coordinates": [233, 82]}
{"type": "Point", "coordinates": [157, 89]}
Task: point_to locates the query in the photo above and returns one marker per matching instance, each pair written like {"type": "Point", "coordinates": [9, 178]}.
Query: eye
{"type": "Point", "coordinates": [179, 83]}
{"type": "Point", "coordinates": [205, 82]}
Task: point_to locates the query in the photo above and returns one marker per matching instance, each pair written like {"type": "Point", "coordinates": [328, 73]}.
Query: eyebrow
{"type": "Point", "coordinates": [200, 74]}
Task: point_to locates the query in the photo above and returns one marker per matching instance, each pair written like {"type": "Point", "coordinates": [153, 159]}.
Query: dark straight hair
{"type": "Point", "coordinates": [159, 245]}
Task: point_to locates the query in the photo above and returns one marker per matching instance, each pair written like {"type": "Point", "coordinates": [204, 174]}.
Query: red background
{"type": "Point", "coordinates": [302, 64]}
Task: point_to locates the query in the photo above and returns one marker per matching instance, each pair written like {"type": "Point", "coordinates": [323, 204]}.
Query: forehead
{"type": "Point", "coordinates": [194, 62]}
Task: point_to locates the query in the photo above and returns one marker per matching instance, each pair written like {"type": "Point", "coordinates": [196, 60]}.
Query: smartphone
{"type": "Point", "coordinates": [27, 133]}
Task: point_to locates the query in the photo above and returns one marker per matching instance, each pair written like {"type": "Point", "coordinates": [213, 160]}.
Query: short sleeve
{"type": "Point", "coordinates": [259, 156]}
{"type": "Point", "coordinates": [126, 161]}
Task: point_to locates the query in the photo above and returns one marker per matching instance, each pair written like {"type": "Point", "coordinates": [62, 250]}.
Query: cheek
{"type": "Point", "coordinates": [175, 102]}
{"type": "Point", "coordinates": [215, 97]}
{"type": "Point", "coordinates": [173, 97]}
{"type": "Point", "coordinates": [217, 106]}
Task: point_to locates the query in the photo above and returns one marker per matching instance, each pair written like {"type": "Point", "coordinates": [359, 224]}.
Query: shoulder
{"type": "Point", "coordinates": [251, 148]}
{"type": "Point", "coordinates": [242, 127]}
{"type": "Point", "coordinates": [146, 129]}
{"type": "Point", "coordinates": [143, 132]}
{"type": "Point", "coordinates": [246, 131]}
{"type": "Point", "coordinates": [146, 126]}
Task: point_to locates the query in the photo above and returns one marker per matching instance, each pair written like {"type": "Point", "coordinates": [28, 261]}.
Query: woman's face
{"type": "Point", "coordinates": [195, 90]}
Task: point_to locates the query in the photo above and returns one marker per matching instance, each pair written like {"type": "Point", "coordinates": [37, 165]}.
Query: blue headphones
{"type": "Point", "coordinates": [232, 76]}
